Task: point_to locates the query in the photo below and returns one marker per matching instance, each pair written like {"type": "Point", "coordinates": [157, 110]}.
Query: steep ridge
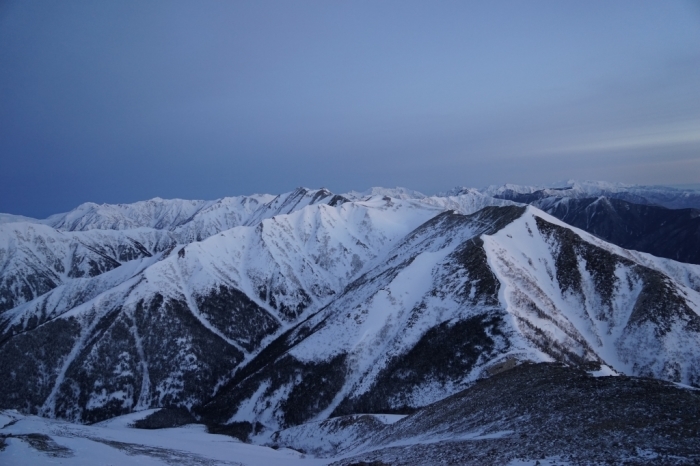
{"type": "Point", "coordinates": [155, 213]}
{"type": "Point", "coordinates": [35, 258]}
{"type": "Point", "coordinates": [171, 330]}
{"type": "Point", "coordinates": [228, 213]}
{"type": "Point", "coordinates": [92, 239]}
{"type": "Point", "coordinates": [189, 220]}
{"type": "Point", "coordinates": [462, 297]}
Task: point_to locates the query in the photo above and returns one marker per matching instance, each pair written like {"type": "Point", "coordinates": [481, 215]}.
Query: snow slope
{"type": "Point", "coordinates": [40, 441]}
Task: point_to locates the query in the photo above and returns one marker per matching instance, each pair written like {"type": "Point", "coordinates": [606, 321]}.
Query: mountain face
{"type": "Point", "coordinates": [35, 258]}
{"type": "Point", "coordinates": [670, 233]}
{"type": "Point", "coordinates": [170, 329]}
{"type": "Point", "coordinates": [273, 311]}
{"type": "Point", "coordinates": [462, 297]}
{"type": "Point", "coordinates": [38, 255]}
{"type": "Point", "coordinates": [661, 221]}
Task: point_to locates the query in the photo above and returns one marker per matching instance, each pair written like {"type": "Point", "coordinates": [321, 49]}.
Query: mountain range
{"type": "Point", "coordinates": [260, 314]}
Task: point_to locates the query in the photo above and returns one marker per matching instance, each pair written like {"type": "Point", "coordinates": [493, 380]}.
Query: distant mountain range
{"type": "Point", "coordinates": [263, 312]}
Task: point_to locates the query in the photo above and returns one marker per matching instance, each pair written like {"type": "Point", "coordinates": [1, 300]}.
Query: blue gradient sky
{"type": "Point", "coordinates": [122, 101]}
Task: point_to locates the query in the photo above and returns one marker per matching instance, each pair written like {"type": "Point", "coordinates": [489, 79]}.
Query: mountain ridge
{"type": "Point", "coordinates": [345, 301]}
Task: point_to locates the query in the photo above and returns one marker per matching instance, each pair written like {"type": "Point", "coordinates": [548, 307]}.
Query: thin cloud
{"type": "Point", "coordinates": [658, 136]}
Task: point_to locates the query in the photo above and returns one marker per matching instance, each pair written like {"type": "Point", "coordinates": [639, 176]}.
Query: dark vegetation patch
{"type": "Point", "coordinates": [41, 315]}
{"type": "Point", "coordinates": [238, 317]}
{"type": "Point", "coordinates": [313, 387]}
{"type": "Point", "coordinates": [556, 350]}
{"type": "Point", "coordinates": [550, 410]}
{"type": "Point", "coordinates": [481, 285]}
{"type": "Point", "coordinates": [29, 286]}
{"type": "Point", "coordinates": [570, 249]}
{"type": "Point", "coordinates": [176, 344]}
{"type": "Point", "coordinates": [107, 362]}
{"type": "Point", "coordinates": [240, 430]}
{"type": "Point", "coordinates": [279, 298]}
{"type": "Point", "coordinates": [184, 360]}
{"type": "Point", "coordinates": [661, 304]}
{"type": "Point", "coordinates": [166, 418]}
{"type": "Point", "coordinates": [95, 265]}
{"type": "Point", "coordinates": [29, 363]}
{"type": "Point", "coordinates": [314, 392]}
{"type": "Point", "coordinates": [445, 353]}
{"type": "Point", "coordinates": [216, 408]}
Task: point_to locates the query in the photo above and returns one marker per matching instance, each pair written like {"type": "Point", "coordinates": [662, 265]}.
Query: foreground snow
{"type": "Point", "coordinates": [38, 441]}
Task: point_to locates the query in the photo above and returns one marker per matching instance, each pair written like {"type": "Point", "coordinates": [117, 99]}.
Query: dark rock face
{"type": "Point", "coordinates": [669, 233]}
{"type": "Point", "coordinates": [546, 410]}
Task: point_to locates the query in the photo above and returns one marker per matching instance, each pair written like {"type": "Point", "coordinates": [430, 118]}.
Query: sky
{"type": "Point", "coordinates": [119, 101]}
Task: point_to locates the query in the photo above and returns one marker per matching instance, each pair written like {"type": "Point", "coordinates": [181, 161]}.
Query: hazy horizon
{"type": "Point", "coordinates": [680, 187]}
{"type": "Point", "coordinates": [120, 101]}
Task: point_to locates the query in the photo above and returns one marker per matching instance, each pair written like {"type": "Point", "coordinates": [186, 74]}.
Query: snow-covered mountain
{"type": "Point", "coordinates": [461, 297]}
{"type": "Point", "coordinates": [278, 310]}
{"type": "Point", "coordinates": [396, 193]}
{"type": "Point", "coordinates": [190, 220]}
{"type": "Point", "coordinates": [664, 196]}
{"type": "Point", "coordinates": [184, 322]}
{"type": "Point", "coordinates": [35, 258]}
{"type": "Point", "coordinates": [670, 233]}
